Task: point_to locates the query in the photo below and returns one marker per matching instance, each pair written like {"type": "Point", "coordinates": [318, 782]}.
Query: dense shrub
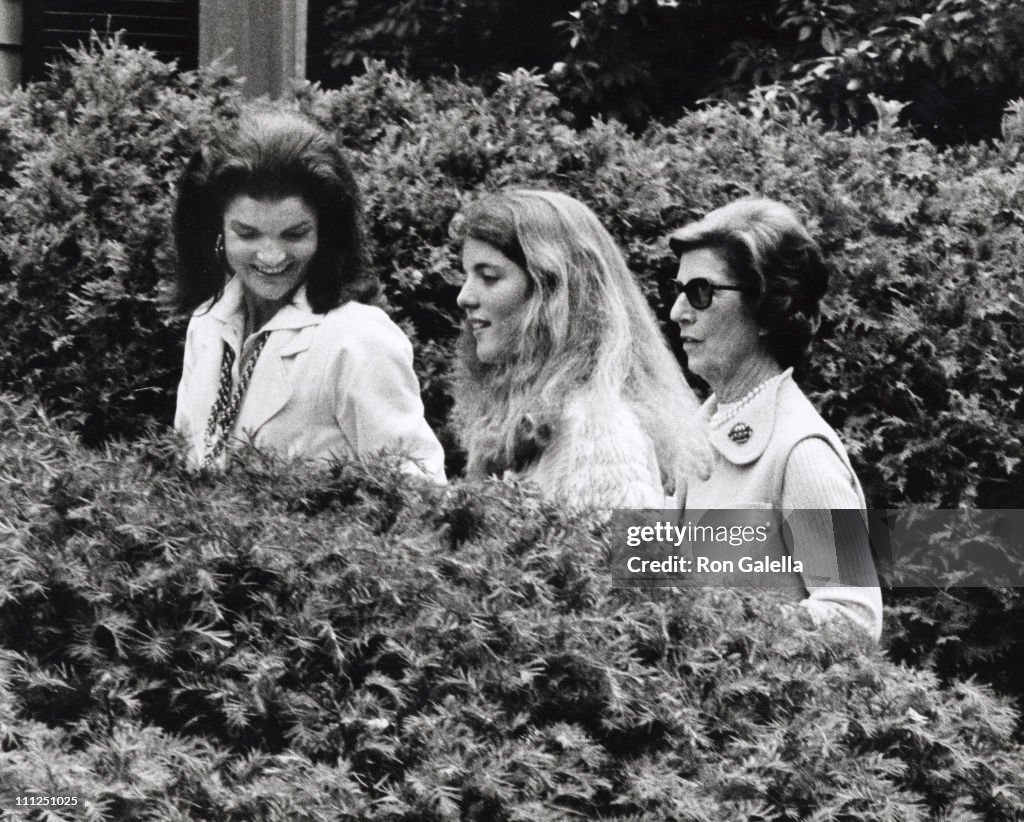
{"type": "Point", "coordinates": [283, 645]}
{"type": "Point", "coordinates": [920, 363]}
{"type": "Point", "coordinates": [959, 633]}
{"type": "Point", "coordinates": [85, 189]}
{"type": "Point", "coordinates": [921, 360]}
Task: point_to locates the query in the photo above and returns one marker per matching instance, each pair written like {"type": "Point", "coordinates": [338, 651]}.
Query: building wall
{"type": "Point", "coordinates": [168, 27]}
{"type": "Point", "coordinates": [264, 39]}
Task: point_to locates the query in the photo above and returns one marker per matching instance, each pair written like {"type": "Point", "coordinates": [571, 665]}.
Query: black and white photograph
{"type": "Point", "coordinates": [512, 410]}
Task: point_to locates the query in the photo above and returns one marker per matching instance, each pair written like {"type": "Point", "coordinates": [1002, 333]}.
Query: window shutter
{"type": "Point", "coordinates": [168, 27]}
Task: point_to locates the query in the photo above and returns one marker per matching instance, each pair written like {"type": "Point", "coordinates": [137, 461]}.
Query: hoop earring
{"type": "Point", "coordinates": [218, 248]}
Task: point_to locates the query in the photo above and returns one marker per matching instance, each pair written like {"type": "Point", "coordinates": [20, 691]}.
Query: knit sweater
{"type": "Point", "coordinates": [792, 462]}
{"type": "Point", "coordinates": [598, 456]}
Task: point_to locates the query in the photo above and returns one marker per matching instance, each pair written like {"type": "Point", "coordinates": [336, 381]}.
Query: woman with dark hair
{"type": "Point", "coordinates": [751, 281]}
{"type": "Point", "coordinates": [281, 351]}
{"type": "Point", "coordinates": [563, 378]}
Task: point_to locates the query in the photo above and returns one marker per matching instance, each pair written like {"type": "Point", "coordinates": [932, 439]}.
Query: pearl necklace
{"type": "Point", "coordinates": [727, 410]}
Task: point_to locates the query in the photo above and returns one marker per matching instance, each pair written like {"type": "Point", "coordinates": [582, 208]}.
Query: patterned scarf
{"type": "Point", "coordinates": [229, 399]}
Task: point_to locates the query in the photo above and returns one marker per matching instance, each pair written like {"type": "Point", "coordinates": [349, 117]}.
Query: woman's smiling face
{"type": "Point", "coordinates": [269, 244]}
{"type": "Point", "coordinates": [494, 297]}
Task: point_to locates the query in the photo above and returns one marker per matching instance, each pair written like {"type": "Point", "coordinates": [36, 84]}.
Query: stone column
{"type": "Point", "coordinates": [264, 39]}
{"type": "Point", "coordinates": [10, 43]}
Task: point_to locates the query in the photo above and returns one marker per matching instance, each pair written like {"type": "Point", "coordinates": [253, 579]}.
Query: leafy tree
{"type": "Point", "coordinates": [629, 59]}
{"type": "Point", "coordinates": [424, 38]}
{"type": "Point", "coordinates": [956, 63]}
{"type": "Point", "coordinates": [638, 59]}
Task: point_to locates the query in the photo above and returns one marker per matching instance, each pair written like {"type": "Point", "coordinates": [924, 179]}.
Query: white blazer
{"type": "Point", "coordinates": [339, 384]}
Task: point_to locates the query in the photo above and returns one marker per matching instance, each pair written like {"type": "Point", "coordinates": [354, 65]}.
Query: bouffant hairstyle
{"type": "Point", "coordinates": [768, 250]}
{"type": "Point", "coordinates": [271, 154]}
{"type": "Point", "coordinates": [587, 329]}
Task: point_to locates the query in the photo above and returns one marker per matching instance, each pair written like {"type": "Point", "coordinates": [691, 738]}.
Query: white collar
{"type": "Point", "coordinates": [230, 309]}
{"type": "Point", "coordinates": [758, 417]}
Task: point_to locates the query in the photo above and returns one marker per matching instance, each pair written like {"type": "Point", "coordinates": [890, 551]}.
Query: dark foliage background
{"type": "Point", "coordinates": [956, 63]}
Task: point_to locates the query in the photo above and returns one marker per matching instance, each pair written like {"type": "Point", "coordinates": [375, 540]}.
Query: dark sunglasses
{"type": "Point", "coordinates": [699, 291]}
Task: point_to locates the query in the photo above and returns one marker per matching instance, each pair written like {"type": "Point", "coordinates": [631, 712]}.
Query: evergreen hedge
{"type": "Point", "coordinates": [920, 365]}
{"type": "Point", "coordinates": [88, 167]}
{"type": "Point", "coordinates": [281, 644]}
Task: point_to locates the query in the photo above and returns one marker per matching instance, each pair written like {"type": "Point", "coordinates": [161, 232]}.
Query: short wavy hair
{"type": "Point", "coordinates": [270, 154]}
{"type": "Point", "coordinates": [767, 249]}
{"type": "Point", "coordinates": [588, 328]}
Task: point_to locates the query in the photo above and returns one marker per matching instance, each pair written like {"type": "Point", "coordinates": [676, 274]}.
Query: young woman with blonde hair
{"type": "Point", "coordinates": [564, 379]}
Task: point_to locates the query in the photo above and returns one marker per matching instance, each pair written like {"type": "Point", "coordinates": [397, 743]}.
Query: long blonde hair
{"type": "Point", "coordinates": [588, 331]}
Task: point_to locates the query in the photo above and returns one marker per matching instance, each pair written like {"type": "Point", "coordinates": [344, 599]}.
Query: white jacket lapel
{"type": "Point", "coordinates": [291, 332]}
{"type": "Point", "coordinates": [218, 325]}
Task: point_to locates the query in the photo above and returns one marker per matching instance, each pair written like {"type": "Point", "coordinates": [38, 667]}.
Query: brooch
{"type": "Point", "coordinates": [740, 433]}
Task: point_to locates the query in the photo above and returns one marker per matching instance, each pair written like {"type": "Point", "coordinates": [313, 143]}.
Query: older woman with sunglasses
{"type": "Point", "coordinates": [751, 280]}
